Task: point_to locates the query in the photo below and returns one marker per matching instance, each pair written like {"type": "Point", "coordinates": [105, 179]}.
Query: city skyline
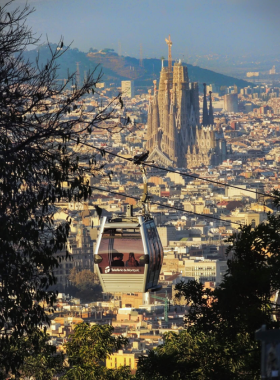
{"type": "Point", "coordinates": [139, 199]}
{"type": "Point", "coordinates": [230, 27]}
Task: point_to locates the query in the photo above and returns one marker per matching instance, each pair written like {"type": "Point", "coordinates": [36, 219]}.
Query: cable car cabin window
{"type": "Point", "coordinates": [156, 253]}
{"type": "Point", "coordinates": [157, 249]}
{"type": "Point", "coordinates": [152, 254]}
{"type": "Point", "coordinates": [157, 246]}
{"type": "Point", "coordinates": [160, 249]}
{"type": "Point", "coordinates": [121, 250]}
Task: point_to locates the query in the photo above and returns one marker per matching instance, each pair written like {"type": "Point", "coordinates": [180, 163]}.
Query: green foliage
{"type": "Point", "coordinates": [245, 300]}
{"type": "Point", "coordinates": [28, 361]}
{"type": "Point", "coordinates": [253, 276]}
{"type": "Point", "coordinates": [87, 351]}
{"type": "Point", "coordinates": [223, 90]}
{"type": "Point", "coordinates": [86, 284]}
{"type": "Point", "coordinates": [83, 279]}
{"type": "Point", "coordinates": [107, 50]}
{"type": "Point", "coordinates": [39, 153]}
{"type": "Point", "coordinates": [219, 342]}
{"type": "Point", "coordinates": [191, 356]}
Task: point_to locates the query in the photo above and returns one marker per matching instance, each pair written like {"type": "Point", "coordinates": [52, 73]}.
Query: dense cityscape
{"type": "Point", "coordinates": [139, 208]}
{"type": "Point", "coordinates": [196, 207]}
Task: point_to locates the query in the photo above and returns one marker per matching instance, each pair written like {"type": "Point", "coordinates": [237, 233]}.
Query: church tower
{"type": "Point", "coordinates": [165, 122]}
{"type": "Point", "coordinates": [164, 76]}
{"type": "Point", "coordinates": [211, 116]}
{"type": "Point", "coordinates": [149, 124]}
{"type": "Point", "coordinates": [172, 131]}
{"type": "Point", "coordinates": [155, 119]}
{"type": "Point", "coordinates": [205, 110]}
{"type": "Point", "coordinates": [175, 136]}
{"type": "Point", "coordinates": [194, 97]}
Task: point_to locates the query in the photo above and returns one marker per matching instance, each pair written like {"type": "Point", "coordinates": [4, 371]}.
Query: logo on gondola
{"type": "Point", "coordinates": [107, 269]}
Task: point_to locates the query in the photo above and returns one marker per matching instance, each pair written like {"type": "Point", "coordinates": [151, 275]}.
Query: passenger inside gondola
{"type": "Point", "coordinates": [131, 262]}
{"type": "Point", "coordinates": [117, 260]}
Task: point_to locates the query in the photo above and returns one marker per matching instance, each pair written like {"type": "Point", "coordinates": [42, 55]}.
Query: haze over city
{"type": "Point", "coordinates": [233, 27]}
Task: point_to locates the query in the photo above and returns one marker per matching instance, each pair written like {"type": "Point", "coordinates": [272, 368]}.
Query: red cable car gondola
{"type": "Point", "coordinates": [128, 255]}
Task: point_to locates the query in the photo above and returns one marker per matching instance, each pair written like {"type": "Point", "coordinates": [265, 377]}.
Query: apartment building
{"type": "Point", "coordinates": [205, 270]}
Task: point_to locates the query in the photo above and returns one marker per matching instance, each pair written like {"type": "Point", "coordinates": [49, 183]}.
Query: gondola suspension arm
{"type": "Point", "coordinates": [139, 159]}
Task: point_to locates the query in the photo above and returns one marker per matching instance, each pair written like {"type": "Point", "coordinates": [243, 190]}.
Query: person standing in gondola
{"type": "Point", "coordinates": [131, 262]}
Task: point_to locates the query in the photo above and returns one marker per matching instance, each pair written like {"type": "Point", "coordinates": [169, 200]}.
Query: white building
{"type": "Point", "coordinates": [203, 270]}
{"type": "Point", "coordinates": [128, 88]}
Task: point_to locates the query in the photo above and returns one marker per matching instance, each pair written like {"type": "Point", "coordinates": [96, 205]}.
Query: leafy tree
{"type": "Point", "coordinates": [221, 323]}
{"type": "Point", "coordinates": [87, 284]}
{"type": "Point", "coordinates": [245, 300]}
{"type": "Point", "coordinates": [246, 297]}
{"type": "Point", "coordinates": [83, 279]}
{"type": "Point", "coordinates": [223, 90]}
{"type": "Point", "coordinates": [41, 365]}
{"type": "Point", "coordinates": [190, 356]}
{"type": "Point", "coordinates": [87, 351]}
{"type": "Point", "coordinates": [40, 164]}
{"type": "Point", "coordinates": [107, 50]}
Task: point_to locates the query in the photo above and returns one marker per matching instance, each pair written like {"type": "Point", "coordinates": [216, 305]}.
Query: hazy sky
{"type": "Point", "coordinates": [234, 27]}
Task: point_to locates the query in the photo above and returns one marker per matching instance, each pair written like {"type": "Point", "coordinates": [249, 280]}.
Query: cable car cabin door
{"type": "Point", "coordinates": [120, 256]}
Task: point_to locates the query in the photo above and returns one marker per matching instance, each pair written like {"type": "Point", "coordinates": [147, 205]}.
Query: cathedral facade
{"type": "Point", "coordinates": [175, 136]}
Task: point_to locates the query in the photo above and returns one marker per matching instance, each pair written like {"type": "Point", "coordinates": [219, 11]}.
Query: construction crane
{"type": "Point", "coordinates": [169, 43]}
{"type": "Point", "coordinates": [166, 304]}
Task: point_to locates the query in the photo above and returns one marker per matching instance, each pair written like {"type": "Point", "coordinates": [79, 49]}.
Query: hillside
{"type": "Point", "coordinates": [116, 68]}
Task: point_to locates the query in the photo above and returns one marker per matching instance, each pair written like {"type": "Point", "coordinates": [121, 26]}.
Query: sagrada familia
{"type": "Point", "coordinates": [175, 136]}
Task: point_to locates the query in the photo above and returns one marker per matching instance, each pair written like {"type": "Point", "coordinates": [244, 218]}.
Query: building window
{"type": "Point", "coordinates": [116, 364]}
{"type": "Point", "coordinates": [124, 361]}
{"type": "Point", "coordinates": [253, 223]}
{"type": "Point", "coordinates": [129, 362]}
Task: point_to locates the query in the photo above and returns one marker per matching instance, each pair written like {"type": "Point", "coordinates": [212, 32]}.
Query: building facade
{"type": "Point", "coordinates": [206, 270]}
{"type": "Point", "coordinates": [80, 247]}
{"type": "Point", "coordinates": [231, 103]}
{"type": "Point", "coordinates": [128, 88]}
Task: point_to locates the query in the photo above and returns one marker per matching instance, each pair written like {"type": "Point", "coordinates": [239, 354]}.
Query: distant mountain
{"type": "Point", "coordinates": [116, 68]}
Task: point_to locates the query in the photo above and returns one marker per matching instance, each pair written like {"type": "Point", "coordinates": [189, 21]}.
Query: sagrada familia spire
{"type": "Point", "coordinates": [175, 136]}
